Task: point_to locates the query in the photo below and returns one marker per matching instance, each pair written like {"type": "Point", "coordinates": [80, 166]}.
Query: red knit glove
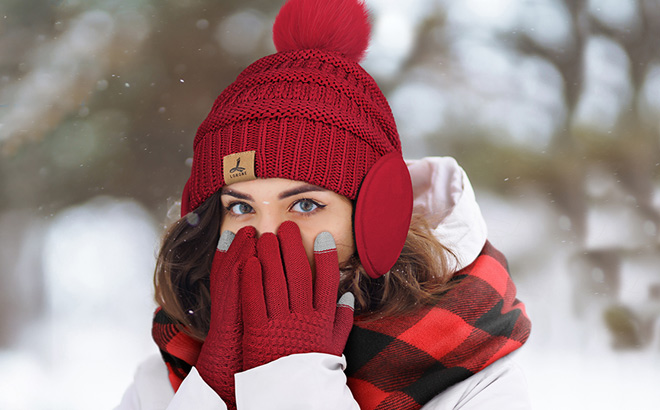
{"type": "Point", "coordinates": [285, 311]}
{"type": "Point", "coordinates": [220, 356]}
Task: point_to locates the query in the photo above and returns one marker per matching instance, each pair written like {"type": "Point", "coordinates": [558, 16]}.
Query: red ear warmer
{"type": "Point", "coordinates": [311, 113]}
{"type": "Point", "coordinates": [382, 214]}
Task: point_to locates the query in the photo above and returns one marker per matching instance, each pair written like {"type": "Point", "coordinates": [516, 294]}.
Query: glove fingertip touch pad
{"type": "Point", "coordinates": [294, 325]}
{"type": "Point", "coordinates": [324, 242]}
{"type": "Point", "coordinates": [220, 356]}
{"type": "Point", "coordinates": [327, 272]}
{"type": "Point", "coordinates": [347, 300]}
{"type": "Point", "coordinates": [225, 240]}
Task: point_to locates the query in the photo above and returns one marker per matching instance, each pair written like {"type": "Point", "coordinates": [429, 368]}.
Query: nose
{"type": "Point", "coordinates": [267, 223]}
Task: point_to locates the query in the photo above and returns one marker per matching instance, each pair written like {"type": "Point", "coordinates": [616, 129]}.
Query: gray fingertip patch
{"type": "Point", "coordinates": [324, 242]}
{"type": "Point", "coordinates": [347, 299]}
{"type": "Point", "coordinates": [225, 240]}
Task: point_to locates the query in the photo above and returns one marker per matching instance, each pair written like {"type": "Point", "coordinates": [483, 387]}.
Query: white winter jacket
{"type": "Point", "coordinates": [316, 380]}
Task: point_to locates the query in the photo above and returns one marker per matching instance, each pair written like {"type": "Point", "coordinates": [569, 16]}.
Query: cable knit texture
{"type": "Point", "coordinates": [286, 310]}
{"type": "Point", "coordinates": [311, 115]}
{"type": "Point", "coordinates": [403, 362]}
{"type": "Point", "coordinates": [221, 354]}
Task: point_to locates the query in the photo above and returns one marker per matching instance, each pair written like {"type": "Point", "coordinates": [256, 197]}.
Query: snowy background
{"type": "Point", "coordinates": [552, 106]}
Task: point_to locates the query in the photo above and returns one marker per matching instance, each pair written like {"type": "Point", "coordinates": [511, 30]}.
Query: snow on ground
{"type": "Point", "coordinates": [98, 262]}
{"type": "Point", "coordinates": [569, 361]}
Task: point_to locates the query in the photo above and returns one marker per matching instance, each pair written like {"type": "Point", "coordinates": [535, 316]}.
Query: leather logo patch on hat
{"type": "Point", "coordinates": [238, 167]}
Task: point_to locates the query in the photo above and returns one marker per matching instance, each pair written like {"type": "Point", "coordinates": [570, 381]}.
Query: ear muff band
{"type": "Point", "coordinates": [382, 214]}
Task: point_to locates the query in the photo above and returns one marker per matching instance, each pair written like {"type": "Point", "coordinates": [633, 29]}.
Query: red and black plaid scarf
{"type": "Point", "coordinates": [403, 362]}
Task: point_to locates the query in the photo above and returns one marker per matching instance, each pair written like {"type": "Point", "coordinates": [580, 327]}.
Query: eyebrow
{"type": "Point", "coordinates": [286, 194]}
{"type": "Point", "coordinates": [236, 194]}
{"type": "Point", "coordinates": [300, 190]}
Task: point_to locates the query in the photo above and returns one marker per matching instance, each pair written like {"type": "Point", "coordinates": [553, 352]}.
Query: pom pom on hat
{"type": "Point", "coordinates": [311, 113]}
{"type": "Point", "coordinates": [308, 113]}
{"type": "Point", "coordinates": [331, 25]}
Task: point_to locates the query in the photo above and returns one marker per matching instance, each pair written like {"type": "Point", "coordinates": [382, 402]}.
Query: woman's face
{"type": "Point", "coordinates": [266, 203]}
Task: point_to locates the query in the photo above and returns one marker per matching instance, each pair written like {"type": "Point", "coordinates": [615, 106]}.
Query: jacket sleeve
{"type": "Point", "coordinates": [501, 385]}
{"type": "Point", "coordinates": [311, 381]}
{"type": "Point", "coordinates": [151, 390]}
{"type": "Point", "coordinates": [301, 381]}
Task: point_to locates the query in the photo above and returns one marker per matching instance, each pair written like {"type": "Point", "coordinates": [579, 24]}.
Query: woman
{"type": "Point", "coordinates": [299, 180]}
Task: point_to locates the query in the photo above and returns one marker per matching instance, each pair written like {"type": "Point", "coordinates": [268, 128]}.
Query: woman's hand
{"type": "Point", "coordinates": [220, 357]}
{"type": "Point", "coordinates": [287, 309]}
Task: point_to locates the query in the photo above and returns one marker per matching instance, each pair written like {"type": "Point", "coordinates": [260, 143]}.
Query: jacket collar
{"type": "Point", "coordinates": [442, 191]}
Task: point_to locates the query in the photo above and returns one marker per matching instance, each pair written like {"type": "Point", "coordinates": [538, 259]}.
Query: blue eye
{"type": "Point", "coordinates": [306, 206]}
{"type": "Point", "coordinates": [239, 208]}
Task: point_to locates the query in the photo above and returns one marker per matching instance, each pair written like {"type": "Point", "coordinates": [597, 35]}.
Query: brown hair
{"type": "Point", "coordinates": [419, 277]}
{"type": "Point", "coordinates": [181, 279]}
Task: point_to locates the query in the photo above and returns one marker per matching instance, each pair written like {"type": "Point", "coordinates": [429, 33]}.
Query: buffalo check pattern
{"type": "Point", "coordinates": [179, 351]}
{"type": "Point", "coordinates": [403, 362]}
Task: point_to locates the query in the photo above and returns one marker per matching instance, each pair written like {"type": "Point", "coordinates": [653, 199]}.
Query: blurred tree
{"type": "Point", "coordinates": [605, 163]}
{"type": "Point", "coordinates": [104, 97]}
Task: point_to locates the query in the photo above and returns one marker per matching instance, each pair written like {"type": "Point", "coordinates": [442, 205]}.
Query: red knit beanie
{"type": "Point", "coordinates": [308, 113]}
